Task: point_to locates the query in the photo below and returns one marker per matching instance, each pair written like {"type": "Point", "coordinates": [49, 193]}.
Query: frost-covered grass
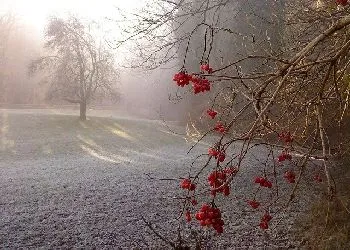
{"type": "Point", "coordinates": [66, 183]}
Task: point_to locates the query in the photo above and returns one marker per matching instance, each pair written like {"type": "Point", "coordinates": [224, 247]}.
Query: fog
{"type": "Point", "coordinates": [18, 47]}
{"type": "Point", "coordinates": [143, 93]}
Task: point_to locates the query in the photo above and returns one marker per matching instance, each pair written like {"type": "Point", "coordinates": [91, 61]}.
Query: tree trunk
{"type": "Point", "coordinates": [82, 111]}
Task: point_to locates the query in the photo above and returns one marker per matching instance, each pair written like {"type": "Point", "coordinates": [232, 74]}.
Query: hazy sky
{"type": "Point", "coordinates": [35, 12]}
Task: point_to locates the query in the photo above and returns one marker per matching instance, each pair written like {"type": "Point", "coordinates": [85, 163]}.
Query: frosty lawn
{"type": "Point", "coordinates": [66, 183]}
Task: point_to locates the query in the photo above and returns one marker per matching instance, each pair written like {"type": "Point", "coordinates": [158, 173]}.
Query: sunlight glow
{"type": "Point", "coordinates": [120, 133]}
{"type": "Point", "coordinates": [36, 12]}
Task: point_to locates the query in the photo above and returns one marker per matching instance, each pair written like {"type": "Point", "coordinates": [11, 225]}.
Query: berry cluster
{"type": "Point", "coordinates": [264, 223]}
{"type": "Point", "coordinates": [210, 216]}
{"type": "Point", "coordinates": [219, 155]}
{"type": "Point", "coordinates": [212, 113]}
{"type": "Point", "coordinates": [200, 84]}
{"type": "Point", "coordinates": [194, 202]}
{"type": "Point", "coordinates": [290, 176]}
{"type": "Point", "coordinates": [284, 156]}
{"type": "Point", "coordinates": [182, 79]}
{"type": "Point", "coordinates": [220, 127]}
{"type": "Point", "coordinates": [213, 152]}
{"type": "Point", "coordinates": [254, 204]}
{"type": "Point", "coordinates": [207, 68]}
{"type": "Point", "coordinates": [187, 184]}
{"type": "Point", "coordinates": [216, 179]}
{"type": "Point", "coordinates": [263, 182]}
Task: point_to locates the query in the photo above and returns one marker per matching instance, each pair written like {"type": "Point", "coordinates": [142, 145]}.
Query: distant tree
{"type": "Point", "coordinates": [7, 22]}
{"type": "Point", "coordinates": [79, 66]}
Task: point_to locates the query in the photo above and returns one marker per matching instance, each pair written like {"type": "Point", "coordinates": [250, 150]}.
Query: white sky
{"type": "Point", "coordinates": [36, 12]}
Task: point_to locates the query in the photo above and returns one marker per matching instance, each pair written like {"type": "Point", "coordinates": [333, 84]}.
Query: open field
{"type": "Point", "coordinates": [69, 184]}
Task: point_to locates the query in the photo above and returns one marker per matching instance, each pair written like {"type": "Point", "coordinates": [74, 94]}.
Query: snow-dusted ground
{"type": "Point", "coordinates": [69, 184]}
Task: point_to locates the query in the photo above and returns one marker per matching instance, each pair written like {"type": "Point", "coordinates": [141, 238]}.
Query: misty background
{"type": "Point", "coordinates": [145, 66]}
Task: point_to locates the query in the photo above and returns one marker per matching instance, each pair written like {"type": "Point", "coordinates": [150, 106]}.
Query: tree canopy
{"type": "Point", "coordinates": [79, 67]}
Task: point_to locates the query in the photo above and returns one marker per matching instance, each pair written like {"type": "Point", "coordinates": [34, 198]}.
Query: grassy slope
{"type": "Point", "coordinates": [71, 184]}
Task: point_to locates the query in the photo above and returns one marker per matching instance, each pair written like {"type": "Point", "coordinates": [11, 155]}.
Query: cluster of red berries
{"type": "Point", "coordinates": [182, 79]}
{"type": "Point", "coordinates": [187, 184]}
{"type": "Point", "coordinates": [254, 204]}
{"type": "Point", "coordinates": [212, 113]}
{"type": "Point", "coordinates": [342, 2]}
{"type": "Point", "coordinates": [216, 179]}
{"type": "Point", "coordinates": [207, 68]}
{"type": "Point", "coordinates": [290, 176]}
{"type": "Point", "coordinates": [219, 155]}
{"type": "Point", "coordinates": [220, 127]}
{"type": "Point", "coordinates": [284, 156]}
{"type": "Point", "coordinates": [210, 216]}
{"type": "Point", "coordinates": [200, 84]}
{"type": "Point", "coordinates": [264, 223]}
{"type": "Point", "coordinates": [263, 182]}
{"type": "Point", "coordinates": [194, 202]}
{"type": "Point", "coordinates": [285, 137]}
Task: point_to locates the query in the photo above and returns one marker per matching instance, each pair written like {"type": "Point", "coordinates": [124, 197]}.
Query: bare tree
{"type": "Point", "coordinates": [79, 66]}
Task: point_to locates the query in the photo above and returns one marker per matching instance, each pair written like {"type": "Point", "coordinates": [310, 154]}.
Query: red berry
{"type": "Point", "coordinates": [264, 225]}
{"type": "Point", "coordinates": [188, 216]}
{"type": "Point", "coordinates": [210, 216]}
{"type": "Point", "coordinates": [254, 204]}
{"type": "Point", "coordinates": [284, 156]}
{"type": "Point", "coordinates": [259, 180]}
{"type": "Point", "coordinates": [182, 79]}
{"type": "Point", "coordinates": [212, 113]}
{"type": "Point", "coordinates": [226, 190]}
{"type": "Point", "coordinates": [266, 183]}
{"type": "Point", "coordinates": [221, 157]}
{"type": "Point", "coordinates": [263, 182]}
{"type": "Point", "coordinates": [220, 127]}
{"type": "Point", "coordinates": [281, 158]}
{"type": "Point", "coordinates": [200, 215]}
{"type": "Point", "coordinates": [219, 229]}
{"type": "Point", "coordinates": [267, 217]}
{"type": "Point", "coordinates": [213, 152]}
{"type": "Point", "coordinates": [206, 67]}
{"type": "Point", "coordinates": [186, 183]}
{"type": "Point", "coordinates": [205, 208]}
{"type": "Point", "coordinates": [290, 176]}
{"type": "Point", "coordinates": [200, 84]}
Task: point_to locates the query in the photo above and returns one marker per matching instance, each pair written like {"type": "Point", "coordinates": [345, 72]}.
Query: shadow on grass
{"type": "Point", "coordinates": [35, 135]}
